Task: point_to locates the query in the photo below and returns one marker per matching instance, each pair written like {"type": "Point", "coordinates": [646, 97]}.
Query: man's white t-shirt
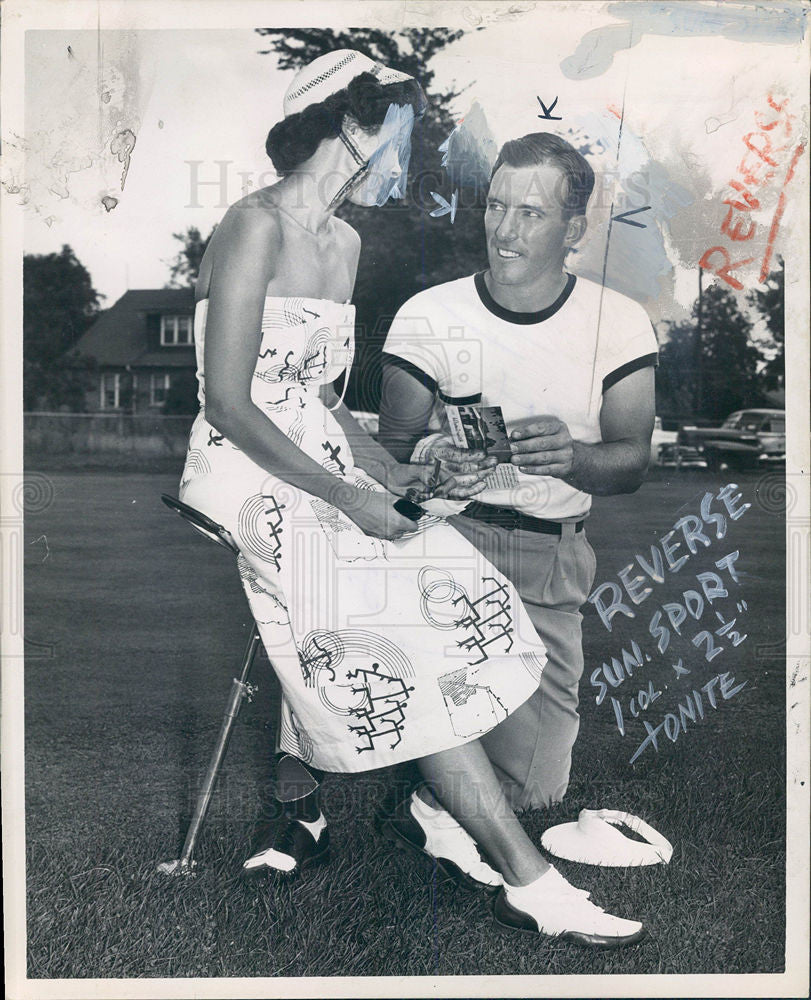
{"type": "Point", "coordinates": [456, 338]}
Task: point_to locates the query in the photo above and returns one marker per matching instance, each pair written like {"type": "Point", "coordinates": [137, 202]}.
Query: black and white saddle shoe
{"type": "Point", "coordinates": [553, 907]}
{"type": "Point", "coordinates": [289, 851]}
{"type": "Point", "coordinates": [436, 834]}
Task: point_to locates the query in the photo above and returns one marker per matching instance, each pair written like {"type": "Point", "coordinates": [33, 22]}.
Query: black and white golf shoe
{"type": "Point", "coordinates": [551, 906]}
{"type": "Point", "coordinates": [297, 846]}
{"type": "Point", "coordinates": [433, 832]}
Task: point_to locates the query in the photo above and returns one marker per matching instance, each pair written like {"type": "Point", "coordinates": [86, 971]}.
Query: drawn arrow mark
{"type": "Point", "coordinates": [622, 217]}
{"type": "Point", "coordinates": [444, 207]}
{"type": "Point", "coordinates": [547, 112]}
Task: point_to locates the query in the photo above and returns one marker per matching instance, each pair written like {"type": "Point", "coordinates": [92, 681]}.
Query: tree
{"type": "Point", "coordinates": [674, 376]}
{"type": "Point", "coordinates": [404, 249]}
{"type": "Point", "coordinates": [771, 305]}
{"type": "Point", "coordinates": [728, 378]}
{"type": "Point", "coordinates": [59, 304]}
{"type": "Point", "coordinates": [186, 265]}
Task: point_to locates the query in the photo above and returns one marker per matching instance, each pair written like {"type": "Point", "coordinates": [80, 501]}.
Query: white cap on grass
{"type": "Point", "coordinates": [594, 840]}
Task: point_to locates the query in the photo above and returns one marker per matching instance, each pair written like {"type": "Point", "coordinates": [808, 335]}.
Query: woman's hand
{"type": "Point", "coordinates": [414, 481]}
{"type": "Point", "coordinates": [373, 512]}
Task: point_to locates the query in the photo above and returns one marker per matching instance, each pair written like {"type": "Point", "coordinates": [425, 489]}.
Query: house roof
{"type": "Point", "coordinates": [119, 335]}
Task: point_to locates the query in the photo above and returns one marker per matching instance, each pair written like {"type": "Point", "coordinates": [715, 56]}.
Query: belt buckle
{"type": "Point", "coordinates": [511, 519]}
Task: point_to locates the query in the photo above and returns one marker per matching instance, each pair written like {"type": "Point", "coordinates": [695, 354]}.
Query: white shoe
{"type": "Point", "coordinates": [550, 905]}
{"type": "Point", "coordinates": [432, 830]}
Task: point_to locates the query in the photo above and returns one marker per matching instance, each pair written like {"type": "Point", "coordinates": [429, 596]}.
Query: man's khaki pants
{"type": "Point", "coordinates": [531, 751]}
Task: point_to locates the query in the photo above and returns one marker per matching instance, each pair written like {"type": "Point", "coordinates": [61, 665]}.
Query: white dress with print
{"type": "Point", "coordinates": [386, 651]}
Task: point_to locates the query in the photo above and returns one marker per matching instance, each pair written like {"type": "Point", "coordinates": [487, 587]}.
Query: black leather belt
{"type": "Point", "coordinates": [511, 519]}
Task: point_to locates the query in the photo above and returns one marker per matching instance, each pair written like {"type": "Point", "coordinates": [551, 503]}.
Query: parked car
{"type": "Point", "coordinates": [746, 438]}
{"type": "Point", "coordinates": [662, 444]}
{"type": "Point", "coordinates": [768, 425]}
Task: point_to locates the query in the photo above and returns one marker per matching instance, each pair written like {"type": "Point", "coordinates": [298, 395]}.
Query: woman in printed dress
{"type": "Point", "coordinates": [393, 639]}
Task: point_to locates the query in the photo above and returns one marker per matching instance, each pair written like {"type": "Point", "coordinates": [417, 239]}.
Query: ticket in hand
{"type": "Point", "coordinates": [479, 428]}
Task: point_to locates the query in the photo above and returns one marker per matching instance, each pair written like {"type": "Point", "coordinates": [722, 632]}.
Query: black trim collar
{"type": "Point", "coordinates": [508, 315]}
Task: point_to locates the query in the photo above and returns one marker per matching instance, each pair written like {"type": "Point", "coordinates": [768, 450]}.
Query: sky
{"type": "Point", "coordinates": [192, 107]}
{"type": "Point", "coordinates": [204, 96]}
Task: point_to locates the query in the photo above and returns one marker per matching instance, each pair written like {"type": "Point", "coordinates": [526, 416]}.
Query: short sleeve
{"type": "Point", "coordinates": [412, 343]}
{"type": "Point", "coordinates": [629, 343]}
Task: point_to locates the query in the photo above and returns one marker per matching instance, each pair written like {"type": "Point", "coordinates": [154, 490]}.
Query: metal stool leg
{"type": "Point", "coordinates": [240, 689]}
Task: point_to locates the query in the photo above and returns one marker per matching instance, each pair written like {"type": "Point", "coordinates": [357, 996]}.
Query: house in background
{"type": "Point", "coordinates": [144, 350]}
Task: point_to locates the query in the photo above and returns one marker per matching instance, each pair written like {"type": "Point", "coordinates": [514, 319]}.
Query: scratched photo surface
{"type": "Point", "coordinates": [133, 137]}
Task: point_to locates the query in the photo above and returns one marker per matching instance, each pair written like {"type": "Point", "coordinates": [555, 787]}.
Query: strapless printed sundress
{"type": "Point", "coordinates": [385, 651]}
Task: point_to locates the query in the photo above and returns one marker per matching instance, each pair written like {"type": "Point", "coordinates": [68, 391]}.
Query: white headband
{"type": "Point", "coordinates": [330, 73]}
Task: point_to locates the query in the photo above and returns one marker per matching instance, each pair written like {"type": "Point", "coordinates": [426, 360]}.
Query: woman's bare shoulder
{"type": "Point", "coordinates": [347, 233]}
{"type": "Point", "coordinates": [249, 231]}
{"type": "Point", "coordinates": [251, 216]}
{"type": "Point", "coordinates": [349, 239]}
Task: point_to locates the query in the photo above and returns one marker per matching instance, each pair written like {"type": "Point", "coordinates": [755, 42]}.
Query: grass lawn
{"type": "Point", "coordinates": [142, 625]}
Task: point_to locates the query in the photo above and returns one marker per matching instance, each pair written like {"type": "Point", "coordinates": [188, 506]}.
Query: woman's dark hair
{"type": "Point", "coordinates": [543, 147]}
{"type": "Point", "coordinates": [294, 140]}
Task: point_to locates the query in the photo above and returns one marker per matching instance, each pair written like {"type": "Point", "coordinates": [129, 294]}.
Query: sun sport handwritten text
{"type": "Point", "coordinates": [620, 677]}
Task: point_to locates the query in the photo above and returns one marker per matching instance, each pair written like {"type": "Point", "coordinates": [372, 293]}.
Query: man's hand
{"type": "Point", "coordinates": [446, 472]}
{"type": "Point", "coordinates": [615, 464]}
{"type": "Point", "coordinates": [544, 447]}
{"type": "Point", "coordinates": [461, 473]}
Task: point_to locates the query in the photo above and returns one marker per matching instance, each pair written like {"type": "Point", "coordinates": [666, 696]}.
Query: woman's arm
{"type": "Point", "coordinates": [372, 457]}
{"type": "Point", "coordinates": [247, 247]}
{"type": "Point", "coordinates": [248, 243]}
{"type": "Point", "coordinates": [367, 454]}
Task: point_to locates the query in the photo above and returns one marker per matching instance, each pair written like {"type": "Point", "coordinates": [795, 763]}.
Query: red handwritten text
{"type": "Point", "coordinates": [766, 153]}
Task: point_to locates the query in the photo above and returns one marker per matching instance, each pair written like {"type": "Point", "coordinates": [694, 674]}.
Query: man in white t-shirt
{"type": "Point", "coordinates": [570, 363]}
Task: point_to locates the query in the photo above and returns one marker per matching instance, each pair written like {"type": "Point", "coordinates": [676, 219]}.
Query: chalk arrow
{"type": "Point", "coordinates": [444, 207]}
{"type": "Point", "coordinates": [622, 217]}
{"type": "Point", "coordinates": [547, 112]}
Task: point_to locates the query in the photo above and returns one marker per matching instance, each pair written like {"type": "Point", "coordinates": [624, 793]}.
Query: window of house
{"type": "Point", "coordinates": [110, 391]}
{"type": "Point", "coordinates": [158, 388]}
{"type": "Point", "coordinates": [176, 331]}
